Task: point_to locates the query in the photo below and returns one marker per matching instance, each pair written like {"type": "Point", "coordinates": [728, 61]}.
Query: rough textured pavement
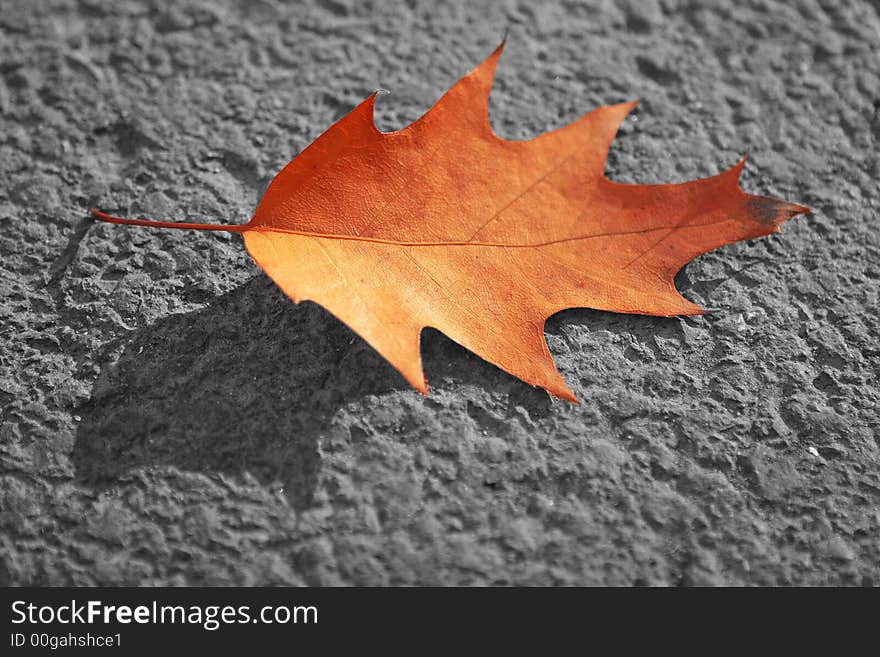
{"type": "Point", "coordinates": [169, 417]}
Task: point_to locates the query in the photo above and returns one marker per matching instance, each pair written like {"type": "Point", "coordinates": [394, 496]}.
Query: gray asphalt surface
{"type": "Point", "coordinates": [169, 417]}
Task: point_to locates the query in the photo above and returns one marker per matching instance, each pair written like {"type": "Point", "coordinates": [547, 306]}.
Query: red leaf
{"type": "Point", "coordinates": [445, 224]}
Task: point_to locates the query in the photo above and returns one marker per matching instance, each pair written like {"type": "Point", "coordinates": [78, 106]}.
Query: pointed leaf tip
{"type": "Point", "coordinates": [500, 47]}
{"type": "Point", "coordinates": [486, 69]}
{"type": "Point", "coordinates": [772, 211]}
{"type": "Point", "coordinates": [566, 395]}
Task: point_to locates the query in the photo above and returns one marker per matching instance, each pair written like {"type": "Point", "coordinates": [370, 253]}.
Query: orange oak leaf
{"type": "Point", "coordinates": [445, 224]}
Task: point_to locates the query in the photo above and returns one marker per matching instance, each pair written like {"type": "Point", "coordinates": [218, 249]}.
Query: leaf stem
{"type": "Point", "coordinates": [110, 219]}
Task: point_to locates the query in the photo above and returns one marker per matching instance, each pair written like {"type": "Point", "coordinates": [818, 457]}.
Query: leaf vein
{"type": "Point", "coordinates": [465, 243]}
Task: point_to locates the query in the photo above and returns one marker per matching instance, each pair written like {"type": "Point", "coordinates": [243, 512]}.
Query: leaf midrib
{"type": "Point", "coordinates": [471, 243]}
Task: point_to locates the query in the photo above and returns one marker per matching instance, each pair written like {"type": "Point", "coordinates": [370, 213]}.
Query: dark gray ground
{"type": "Point", "coordinates": [169, 417]}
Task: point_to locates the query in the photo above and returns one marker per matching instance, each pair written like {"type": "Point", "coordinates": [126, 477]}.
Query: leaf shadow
{"type": "Point", "coordinates": [245, 385]}
{"type": "Point", "coordinates": [248, 385]}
